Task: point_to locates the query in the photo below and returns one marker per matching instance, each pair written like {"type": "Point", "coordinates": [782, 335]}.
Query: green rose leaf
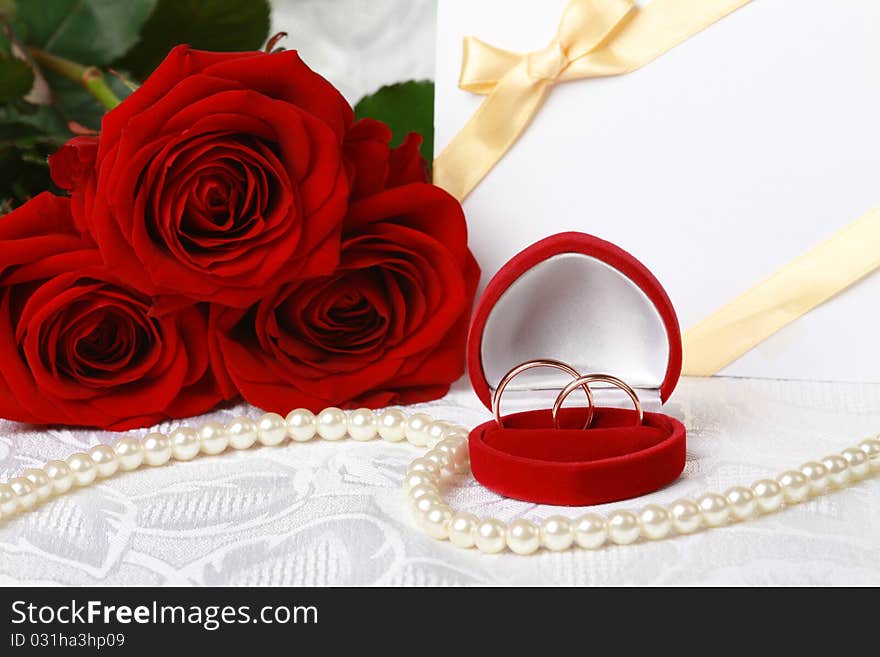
{"type": "Point", "coordinates": [93, 32]}
{"type": "Point", "coordinates": [16, 79]}
{"type": "Point", "coordinates": [221, 25]}
{"type": "Point", "coordinates": [41, 119]}
{"type": "Point", "coordinates": [24, 171]}
{"type": "Point", "coordinates": [405, 107]}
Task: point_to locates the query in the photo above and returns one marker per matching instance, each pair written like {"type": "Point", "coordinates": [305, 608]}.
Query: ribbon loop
{"type": "Point", "coordinates": [483, 65]}
{"type": "Point", "coordinates": [594, 38]}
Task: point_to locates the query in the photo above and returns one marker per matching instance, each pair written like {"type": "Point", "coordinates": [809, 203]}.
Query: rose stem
{"type": "Point", "coordinates": [88, 76]}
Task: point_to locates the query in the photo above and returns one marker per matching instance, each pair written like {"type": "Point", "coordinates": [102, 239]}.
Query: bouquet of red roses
{"type": "Point", "coordinates": [231, 231]}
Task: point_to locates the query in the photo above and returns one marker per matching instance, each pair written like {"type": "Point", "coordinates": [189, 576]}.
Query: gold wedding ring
{"type": "Point", "coordinates": [531, 364]}
{"type": "Point", "coordinates": [596, 378]}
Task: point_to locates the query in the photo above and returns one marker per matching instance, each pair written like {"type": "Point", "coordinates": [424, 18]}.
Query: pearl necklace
{"type": "Point", "coordinates": [653, 522]}
{"type": "Point", "coordinates": [448, 453]}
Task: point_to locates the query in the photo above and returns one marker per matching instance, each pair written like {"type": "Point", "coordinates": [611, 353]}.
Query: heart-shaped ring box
{"type": "Point", "coordinates": [578, 299]}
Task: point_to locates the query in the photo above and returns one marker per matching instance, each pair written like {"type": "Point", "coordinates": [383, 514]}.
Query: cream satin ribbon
{"type": "Point", "coordinates": [596, 38]}
{"type": "Point", "coordinates": [809, 280]}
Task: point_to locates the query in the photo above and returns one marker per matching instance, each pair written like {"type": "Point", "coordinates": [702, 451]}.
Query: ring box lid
{"type": "Point", "coordinates": [579, 299]}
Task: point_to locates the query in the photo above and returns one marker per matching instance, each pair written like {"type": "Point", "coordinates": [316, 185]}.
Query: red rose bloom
{"type": "Point", "coordinates": [79, 348]}
{"type": "Point", "coordinates": [73, 169]}
{"type": "Point", "coordinates": [220, 177]}
{"type": "Point", "coordinates": [388, 326]}
{"type": "Point", "coordinates": [73, 164]}
{"type": "Point", "coordinates": [373, 165]}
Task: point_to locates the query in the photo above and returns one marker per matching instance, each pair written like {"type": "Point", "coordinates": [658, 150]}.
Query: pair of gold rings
{"type": "Point", "coordinates": [579, 381]}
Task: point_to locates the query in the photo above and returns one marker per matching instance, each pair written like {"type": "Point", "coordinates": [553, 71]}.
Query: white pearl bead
{"type": "Point", "coordinates": [392, 425]}
{"type": "Point", "coordinates": [60, 475]}
{"type": "Point", "coordinates": [83, 468]}
{"type": "Point", "coordinates": [795, 486]}
{"type": "Point", "coordinates": [656, 522]}
{"type": "Point", "coordinates": [105, 460]}
{"type": "Point", "coordinates": [213, 438]}
{"type": "Point", "coordinates": [623, 527]}
{"type": "Point", "coordinates": [714, 508]}
{"type": "Point", "coordinates": [362, 424]}
{"type": "Point", "coordinates": [461, 529]}
{"type": "Point", "coordinates": [424, 465]}
{"type": "Point", "coordinates": [742, 501]}
{"type": "Point", "coordinates": [858, 462]}
{"type": "Point", "coordinates": [24, 492]}
{"type": "Point", "coordinates": [769, 495]}
{"type": "Point", "coordinates": [817, 474]}
{"type": "Point", "coordinates": [420, 478]}
{"type": "Point", "coordinates": [241, 432]}
{"type": "Point", "coordinates": [435, 521]}
{"type": "Point", "coordinates": [271, 429]}
{"type": "Point", "coordinates": [436, 432]}
{"type": "Point", "coordinates": [523, 536]}
{"type": "Point", "coordinates": [686, 516]}
{"type": "Point", "coordinates": [8, 501]}
{"type": "Point", "coordinates": [838, 469]}
{"type": "Point", "coordinates": [332, 424]}
{"type": "Point", "coordinates": [157, 449]}
{"type": "Point", "coordinates": [185, 443]}
{"type": "Point", "coordinates": [129, 452]}
{"type": "Point", "coordinates": [490, 536]}
{"type": "Point", "coordinates": [557, 533]}
{"type": "Point", "coordinates": [40, 481]}
{"type": "Point", "coordinates": [417, 429]}
{"type": "Point", "coordinates": [301, 425]}
{"type": "Point", "coordinates": [417, 492]}
{"type": "Point", "coordinates": [457, 433]}
{"type": "Point", "coordinates": [871, 449]}
{"type": "Point", "coordinates": [441, 459]}
{"type": "Point", "coordinates": [462, 457]}
{"type": "Point", "coordinates": [458, 451]}
{"type": "Point", "coordinates": [590, 531]}
{"type": "Point", "coordinates": [426, 502]}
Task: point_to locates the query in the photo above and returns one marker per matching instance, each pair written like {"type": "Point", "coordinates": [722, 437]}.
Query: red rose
{"type": "Point", "coordinates": [373, 165]}
{"type": "Point", "coordinates": [388, 326]}
{"type": "Point", "coordinates": [220, 177]}
{"type": "Point", "coordinates": [73, 168]}
{"type": "Point", "coordinates": [74, 163]}
{"type": "Point", "coordinates": [79, 348]}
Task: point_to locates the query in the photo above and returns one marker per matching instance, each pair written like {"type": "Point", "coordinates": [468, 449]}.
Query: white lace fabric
{"type": "Point", "coordinates": [334, 513]}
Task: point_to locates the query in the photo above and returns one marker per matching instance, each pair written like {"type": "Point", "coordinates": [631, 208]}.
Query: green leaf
{"type": "Point", "coordinates": [92, 32]}
{"type": "Point", "coordinates": [16, 79]}
{"type": "Point", "coordinates": [23, 136]}
{"type": "Point", "coordinates": [42, 119]}
{"type": "Point", "coordinates": [220, 25]}
{"type": "Point", "coordinates": [405, 107]}
{"type": "Point", "coordinates": [24, 170]}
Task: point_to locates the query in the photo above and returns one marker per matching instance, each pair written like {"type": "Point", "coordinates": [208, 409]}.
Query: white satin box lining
{"type": "Point", "coordinates": [578, 309]}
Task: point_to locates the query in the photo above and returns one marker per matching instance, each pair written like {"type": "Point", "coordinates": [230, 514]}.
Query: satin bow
{"type": "Point", "coordinates": [595, 38]}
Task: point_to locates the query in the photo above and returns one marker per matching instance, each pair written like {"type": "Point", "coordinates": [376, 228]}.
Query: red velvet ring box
{"type": "Point", "coordinates": [581, 300]}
